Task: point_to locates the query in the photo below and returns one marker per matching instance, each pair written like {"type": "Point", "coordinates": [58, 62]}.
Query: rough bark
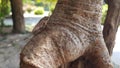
{"type": "Point", "coordinates": [111, 24]}
{"type": "Point", "coordinates": [40, 25]}
{"type": "Point", "coordinates": [17, 16]}
{"type": "Point", "coordinates": [73, 32]}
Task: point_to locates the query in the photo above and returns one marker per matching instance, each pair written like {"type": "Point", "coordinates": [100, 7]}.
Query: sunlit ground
{"type": "Point", "coordinates": [116, 51]}
{"type": "Point", "coordinates": [117, 42]}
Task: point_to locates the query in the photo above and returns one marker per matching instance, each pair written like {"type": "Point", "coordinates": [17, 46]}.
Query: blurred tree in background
{"type": "Point", "coordinates": [17, 16]}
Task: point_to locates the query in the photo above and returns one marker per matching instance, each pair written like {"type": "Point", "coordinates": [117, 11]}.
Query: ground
{"type": "Point", "coordinates": [10, 47]}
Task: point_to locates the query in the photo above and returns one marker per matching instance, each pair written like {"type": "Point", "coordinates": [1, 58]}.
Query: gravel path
{"type": "Point", "coordinates": [10, 47]}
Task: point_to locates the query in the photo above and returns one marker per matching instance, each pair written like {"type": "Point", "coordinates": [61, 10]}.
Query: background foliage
{"type": "Point", "coordinates": [37, 7]}
{"type": "Point", "coordinates": [4, 12]}
{"type": "Point", "coordinates": [104, 12]}
{"type": "Point", "coordinates": [4, 9]}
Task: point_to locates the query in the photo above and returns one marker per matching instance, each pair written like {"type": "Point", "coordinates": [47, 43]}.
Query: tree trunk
{"type": "Point", "coordinates": [72, 33]}
{"type": "Point", "coordinates": [40, 25]}
{"type": "Point", "coordinates": [111, 24]}
{"type": "Point", "coordinates": [17, 16]}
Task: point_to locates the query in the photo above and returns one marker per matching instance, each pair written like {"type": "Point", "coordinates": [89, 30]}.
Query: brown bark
{"type": "Point", "coordinates": [17, 16]}
{"type": "Point", "coordinates": [72, 33]}
{"type": "Point", "coordinates": [111, 24]}
{"type": "Point", "coordinates": [40, 25]}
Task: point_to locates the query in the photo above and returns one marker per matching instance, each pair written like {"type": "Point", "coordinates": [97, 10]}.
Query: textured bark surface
{"type": "Point", "coordinates": [40, 26]}
{"type": "Point", "coordinates": [111, 24]}
{"type": "Point", "coordinates": [72, 33]}
{"type": "Point", "coordinates": [17, 16]}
